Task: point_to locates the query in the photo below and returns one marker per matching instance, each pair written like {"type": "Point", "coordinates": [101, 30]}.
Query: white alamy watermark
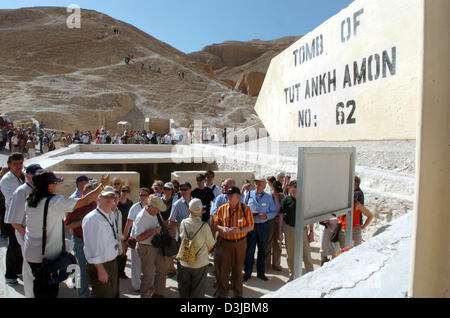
{"type": "Point", "coordinates": [232, 146]}
{"type": "Point", "coordinates": [74, 19]}
{"type": "Point", "coordinates": [74, 269]}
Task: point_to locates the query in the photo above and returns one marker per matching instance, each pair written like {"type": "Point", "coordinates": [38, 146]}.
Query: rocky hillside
{"type": "Point", "coordinates": [77, 78]}
{"type": "Point", "coordinates": [233, 61]}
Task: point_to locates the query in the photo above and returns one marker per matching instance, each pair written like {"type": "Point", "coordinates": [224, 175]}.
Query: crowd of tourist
{"type": "Point", "coordinates": [173, 231]}
{"type": "Point", "coordinates": [31, 142]}
{"type": "Point", "coordinates": [103, 136]}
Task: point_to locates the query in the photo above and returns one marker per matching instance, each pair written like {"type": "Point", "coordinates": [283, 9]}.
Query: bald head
{"type": "Point", "coordinates": [227, 184]}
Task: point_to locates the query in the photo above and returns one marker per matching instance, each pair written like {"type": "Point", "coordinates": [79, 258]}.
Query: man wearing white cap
{"type": "Point", "coordinates": [145, 226]}
{"type": "Point", "coordinates": [101, 246]}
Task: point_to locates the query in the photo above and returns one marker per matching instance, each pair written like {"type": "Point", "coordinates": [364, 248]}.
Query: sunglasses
{"type": "Point", "coordinates": [116, 183]}
{"type": "Point", "coordinates": [209, 177]}
{"type": "Point", "coordinates": [185, 189]}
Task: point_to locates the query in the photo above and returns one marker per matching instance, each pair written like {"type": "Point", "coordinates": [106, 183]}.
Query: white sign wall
{"type": "Point", "coordinates": [355, 77]}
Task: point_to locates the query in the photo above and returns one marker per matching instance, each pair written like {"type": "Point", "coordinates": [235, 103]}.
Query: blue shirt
{"type": "Point", "coordinates": [76, 195]}
{"type": "Point", "coordinates": [218, 202]}
{"type": "Point", "coordinates": [261, 203]}
{"type": "Point", "coordinates": [180, 211]}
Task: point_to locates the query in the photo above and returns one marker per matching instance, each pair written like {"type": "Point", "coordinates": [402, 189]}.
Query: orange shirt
{"type": "Point", "coordinates": [356, 217]}
{"type": "Point", "coordinates": [224, 217]}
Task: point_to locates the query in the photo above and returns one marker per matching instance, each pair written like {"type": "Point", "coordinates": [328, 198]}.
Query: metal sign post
{"type": "Point", "coordinates": [328, 169]}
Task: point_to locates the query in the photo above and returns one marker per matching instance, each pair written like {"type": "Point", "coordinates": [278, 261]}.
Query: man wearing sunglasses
{"type": "Point", "coordinates": [144, 194]}
{"type": "Point", "coordinates": [210, 183]}
{"type": "Point", "coordinates": [180, 210]}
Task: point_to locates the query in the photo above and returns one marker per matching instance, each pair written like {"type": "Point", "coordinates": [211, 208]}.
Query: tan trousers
{"type": "Point", "coordinates": [152, 261]}
{"type": "Point", "coordinates": [170, 265]}
{"type": "Point", "coordinates": [289, 232]}
{"type": "Point", "coordinates": [273, 250]}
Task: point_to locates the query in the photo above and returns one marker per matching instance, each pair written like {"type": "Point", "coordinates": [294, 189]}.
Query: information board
{"type": "Point", "coordinates": [325, 188]}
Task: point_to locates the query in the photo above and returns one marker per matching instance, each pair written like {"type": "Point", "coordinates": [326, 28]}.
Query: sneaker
{"type": "Point", "coordinates": [262, 277]}
{"type": "Point", "coordinates": [246, 278]}
{"type": "Point", "coordinates": [11, 281]}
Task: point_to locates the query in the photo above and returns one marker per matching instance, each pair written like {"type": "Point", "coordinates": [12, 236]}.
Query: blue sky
{"type": "Point", "coordinates": [190, 25]}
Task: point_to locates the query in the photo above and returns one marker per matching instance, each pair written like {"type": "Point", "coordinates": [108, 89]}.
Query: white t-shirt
{"type": "Point", "coordinates": [16, 211]}
{"type": "Point", "coordinates": [144, 222]}
{"type": "Point", "coordinates": [34, 218]}
{"type": "Point", "coordinates": [8, 185]}
{"type": "Point", "coordinates": [134, 211]}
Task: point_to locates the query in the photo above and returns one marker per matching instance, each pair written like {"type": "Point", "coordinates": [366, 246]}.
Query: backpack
{"type": "Point", "coordinates": [187, 252]}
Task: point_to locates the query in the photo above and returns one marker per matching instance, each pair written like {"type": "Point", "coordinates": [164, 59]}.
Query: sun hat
{"type": "Point", "coordinates": [196, 207]}
{"type": "Point", "coordinates": [158, 203]}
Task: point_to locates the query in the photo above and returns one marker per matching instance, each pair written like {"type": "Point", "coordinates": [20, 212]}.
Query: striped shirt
{"type": "Point", "coordinates": [224, 217]}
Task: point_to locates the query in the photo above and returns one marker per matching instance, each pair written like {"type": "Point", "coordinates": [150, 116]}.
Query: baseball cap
{"type": "Point", "coordinates": [45, 178]}
{"type": "Point", "coordinates": [107, 190]}
{"type": "Point", "coordinates": [82, 178]}
{"type": "Point", "coordinates": [33, 169]}
{"type": "Point", "coordinates": [233, 190]}
{"type": "Point", "coordinates": [169, 185]}
{"type": "Point", "coordinates": [186, 184]}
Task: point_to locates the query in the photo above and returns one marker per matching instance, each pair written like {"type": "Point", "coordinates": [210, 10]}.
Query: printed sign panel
{"type": "Point", "coordinates": [355, 77]}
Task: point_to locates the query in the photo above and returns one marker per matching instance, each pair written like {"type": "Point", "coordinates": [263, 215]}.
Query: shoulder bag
{"type": "Point", "coordinates": [163, 240]}
{"type": "Point", "coordinates": [55, 271]}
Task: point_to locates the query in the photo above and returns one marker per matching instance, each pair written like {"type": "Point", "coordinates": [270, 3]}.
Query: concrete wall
{"type": "Point", "coordinates": [378, 39]}
{"type": "Point", "coordinates": [131, 179]}
{"type": "Point", "coordinates": [148, 172]}
{"type": "Point", "coordinates": [160, 125]}
{"type": "Point", "coordinates": [239, 177]}
{"type": "Point", "coordinates": [126, 148]}
{"type": "Point", "coordinates": [430, 264]}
